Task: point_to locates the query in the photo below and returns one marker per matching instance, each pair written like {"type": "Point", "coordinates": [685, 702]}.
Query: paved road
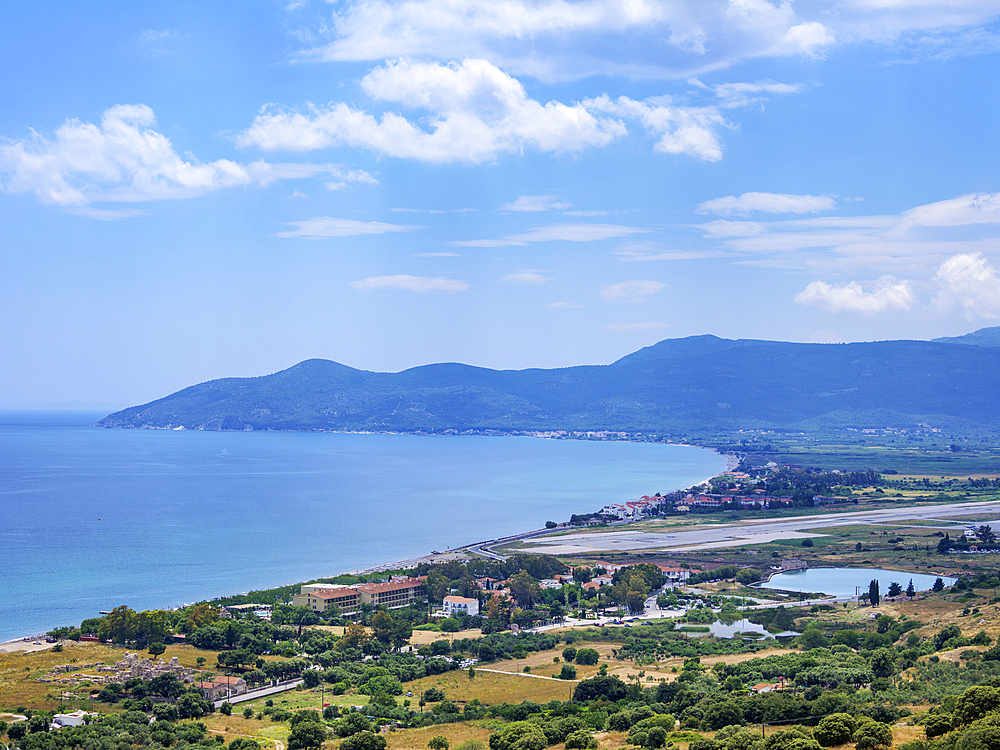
{"type": "Point", "coordinates": [250, 695]}
{"type": "Point", "coordinates": [751, 532]}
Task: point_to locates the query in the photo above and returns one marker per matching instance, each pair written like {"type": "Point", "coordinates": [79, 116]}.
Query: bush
{"type": "Point", "coordinates": [438, 742]}
{"type": "Point", "coordinates": [602, 687]}
{"type": "Point", "coordinates": [587, 656]}
{"type": "Point", "coordinates": [363, 741]}
{"type": "Point", "coordinates": [569, 653]}
{"type": "Point", "coordinates": [352, 724]}
{"type": "Point", "coordinates": [656, 737]}
{"type": "Point", "coordinates": [835, 729]}
{"type": "Point", "coordinates": [871, 735]}
{"type": "Point", "coordinates": [581, 740]}
{"type": "Point", "coordinates": [568, 672]}
{"type": "Point", "coordinates": [519, 735]}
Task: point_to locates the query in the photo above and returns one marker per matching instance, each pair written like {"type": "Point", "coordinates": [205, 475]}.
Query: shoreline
{"type": "Point", "coordinates": [468, 551]}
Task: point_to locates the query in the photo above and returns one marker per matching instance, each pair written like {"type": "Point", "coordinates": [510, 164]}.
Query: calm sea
{"type": "Point", "coordinates": [93, 518]}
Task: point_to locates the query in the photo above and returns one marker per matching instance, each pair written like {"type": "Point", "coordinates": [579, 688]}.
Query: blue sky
{"type": "Point", "coordinates": [199, 190]}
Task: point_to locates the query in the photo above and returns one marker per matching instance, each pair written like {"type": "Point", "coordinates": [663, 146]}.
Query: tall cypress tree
{"type": "Point", "coordinates": [873, 595]}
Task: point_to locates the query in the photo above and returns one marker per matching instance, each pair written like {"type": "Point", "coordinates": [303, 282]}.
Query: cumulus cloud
{"type": "Point", "coordinates": [888, 295]}
{"type": "Point", "coordinates": [771, 203]}
{"type": "Point", "coordinates": [124, 160]}
{"type": "Point", "coordinates": [681, 130]}
{"type": "Point", "coordinates": [556, 233]}
{"type": "Point", "coordinates": [536, 204]}
{"type": "Point", "coordinates": [646, 326]}
{"type": "Point", "coordinates": [477, 113]}
{"type": "Point", "coordinates": [328, 227]}
{"type": "Point", "coordinates": [631, 290]}
{"type": "Point", "coordinates": [970, 284]}
{"type": "Point", "coordinates": [526, 277]}
{"type": "Point", "coordinates": [420, 284]}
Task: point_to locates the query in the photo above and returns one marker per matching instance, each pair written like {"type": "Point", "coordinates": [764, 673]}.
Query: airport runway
{"type": "Point", "coordinates": [752, 532]}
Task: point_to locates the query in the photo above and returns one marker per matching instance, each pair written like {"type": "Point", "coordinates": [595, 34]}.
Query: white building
{"type": "Point", "coordinates": [455, 605]}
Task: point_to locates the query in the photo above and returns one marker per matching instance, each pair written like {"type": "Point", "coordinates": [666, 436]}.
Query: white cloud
{"type": "Point", "coordinates": [888, 295]}
{"type": "Point", "coordinates": [643, 251]}
{"type": "Point", "coordinates": [556, 233]}
{"type": "Point", "coordinates": [742, 94]}
{"type": "Point", "coordinates": [124, 160]}
{"type": "Point", "coordinates": [913, 241]}
{"type": "Point", "coordinates": [436, 255]}
{"type": "Point", "coordinates": [631, 290]}
{"type": "Point", "coordinates": [420, 284]}
{"type": "Point", "coordinates": [536, 204]}
{"type": "Point", "coordinates": [681, 130]}
{"type": "Point", "coordinates": [970, 284]}
{"type": "Point", "coordinates": [771, 203]}
{"type": "Point", "coordinates": [477, 113]}
{"type": "Point", "coordinates": [526, 277]}
{"type": "Point", "coordinates": [556, 39]}
{"type": "Point", "coordinates": [564, 305]}
{"type": "Point", "coordinates": [328, 227]}
{"type": "Point", "coordinates": [564, 40]}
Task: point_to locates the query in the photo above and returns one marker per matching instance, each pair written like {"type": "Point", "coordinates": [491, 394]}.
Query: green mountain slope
{"type": "Point", "coordinates": [982, 337]}
{"type": "Point", "coordinates": [700, 382]}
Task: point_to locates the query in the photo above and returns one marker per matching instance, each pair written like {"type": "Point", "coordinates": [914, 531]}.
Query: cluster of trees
{"type": "Point", "coordinates": [802, 484]}
{"type": "Point", "coordinates": [176, 700]}
{"type": "Point", "coordinates": [131, 728]}
{"type": "Point", "coordinates": [987, 539]}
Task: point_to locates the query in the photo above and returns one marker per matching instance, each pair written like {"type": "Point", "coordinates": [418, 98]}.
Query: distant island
{"type": "Point", "coordinates": [698, 383]}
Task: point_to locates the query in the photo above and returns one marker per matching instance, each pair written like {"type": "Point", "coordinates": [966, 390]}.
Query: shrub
{"type": "Point", "coordinates": [835, 729]}
{"type": "Point", "coordinates": [587, 656]}
{"type": "Point", "coordinates": [581, 740]}
{"type": "Point", "coordinates": [364, 741]}
{"type": "Point", "coordinates": [871, 735]}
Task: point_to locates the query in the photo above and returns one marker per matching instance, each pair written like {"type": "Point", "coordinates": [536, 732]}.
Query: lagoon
{"type": "Point", "coordinates": [94, 518]}
{"type": "Point", "coordinates": [848, 581]}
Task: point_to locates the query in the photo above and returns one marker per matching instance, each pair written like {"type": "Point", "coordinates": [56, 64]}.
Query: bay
{"type": "Point", "coordinates": [93, 518]}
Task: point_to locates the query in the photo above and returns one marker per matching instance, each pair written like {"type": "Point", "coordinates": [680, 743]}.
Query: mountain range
{"type": "Point", "coordinates": [677, 385]}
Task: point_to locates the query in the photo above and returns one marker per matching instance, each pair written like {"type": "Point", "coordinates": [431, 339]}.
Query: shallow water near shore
{"type": "Point", "coordinates": [94, 518]}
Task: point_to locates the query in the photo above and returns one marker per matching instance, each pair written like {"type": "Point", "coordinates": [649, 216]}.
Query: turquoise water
{"type": "Point", "coordinates": [93, 518]}
{"type": "Point", "coordinates": [849, 581]}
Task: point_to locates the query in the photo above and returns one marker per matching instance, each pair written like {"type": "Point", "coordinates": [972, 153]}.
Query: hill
{"type": "Point", "coordinates": [982, 337]}
{"type": "Point", "coordinates": [694, 383]}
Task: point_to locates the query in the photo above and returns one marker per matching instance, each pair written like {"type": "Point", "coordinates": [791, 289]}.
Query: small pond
{"type": "Point", "coordinates": [726, 629]}
{"type": "Point", "coordinates": [849, 581]}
